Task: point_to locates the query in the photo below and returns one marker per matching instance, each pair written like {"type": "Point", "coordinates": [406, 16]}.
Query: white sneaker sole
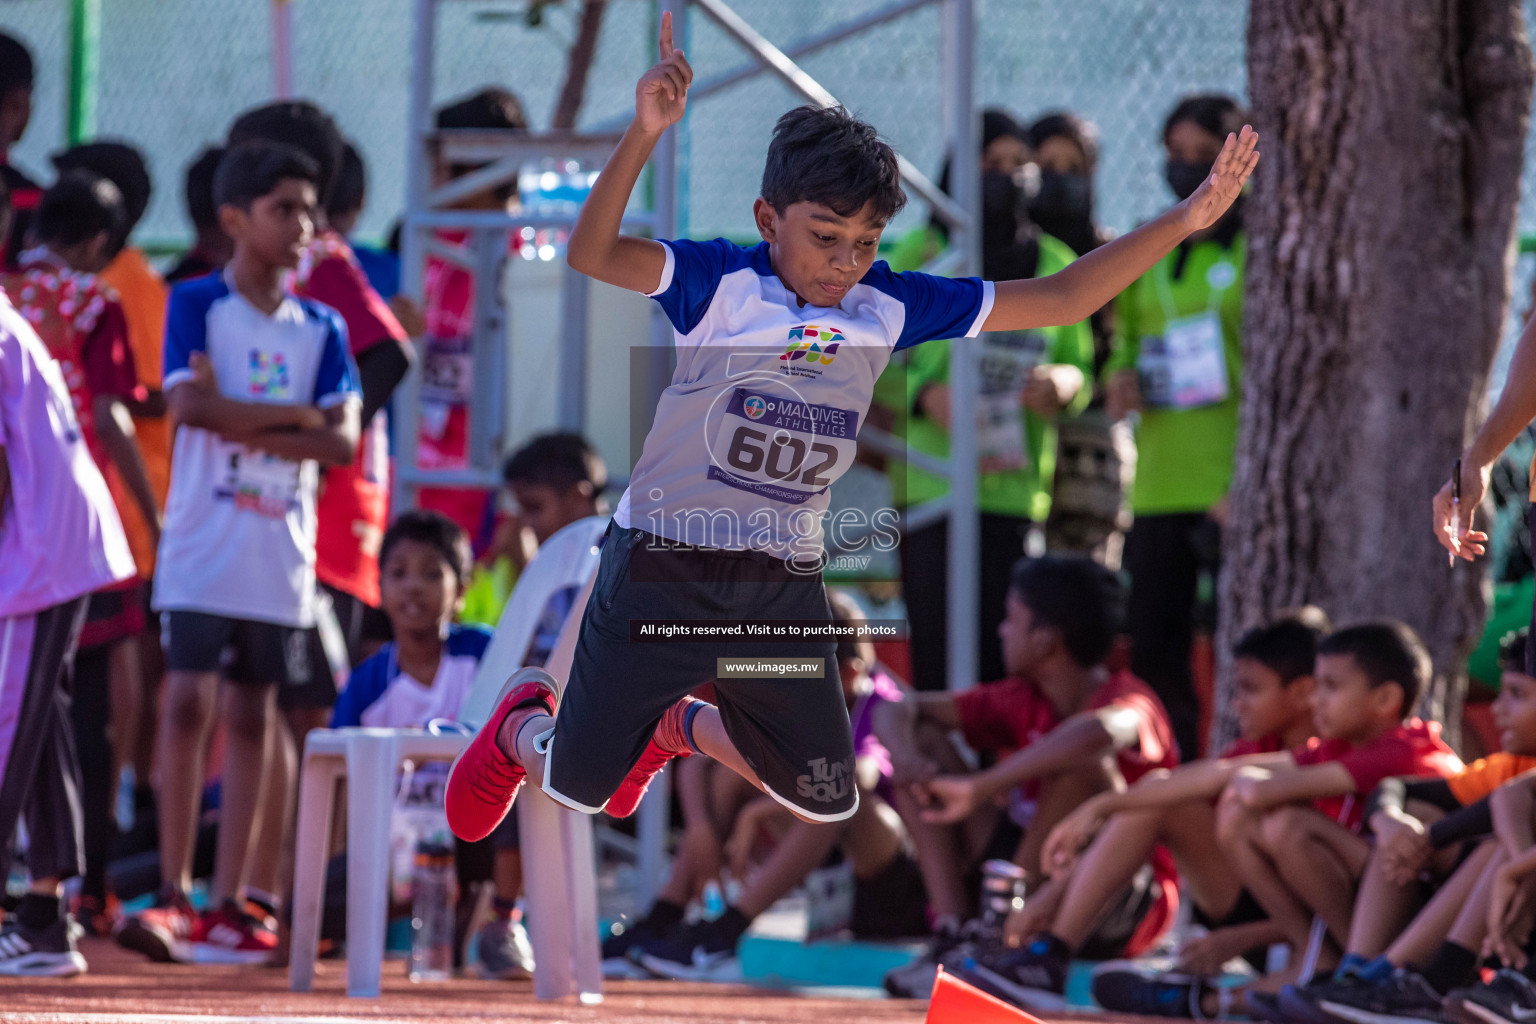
{"type": "Point", "coordinates": [724, 970]}
{"type": "Point", "coordinates": [44, 965]}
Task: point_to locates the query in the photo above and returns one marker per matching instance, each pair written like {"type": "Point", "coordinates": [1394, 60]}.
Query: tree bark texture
{"type": "Point", "coordinates": [1381, 228]}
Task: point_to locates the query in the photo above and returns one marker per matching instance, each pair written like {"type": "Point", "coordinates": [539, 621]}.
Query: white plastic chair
{"type": "Point", "coordinates": [557, 843]}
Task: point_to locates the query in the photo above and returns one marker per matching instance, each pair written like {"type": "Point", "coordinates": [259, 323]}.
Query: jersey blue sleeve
{"type": "Point", "coordinates": [940, 307]}
{"type": "Point", "coordinates": [186, 328]}
{"type": "Point", "coordinates": [365, 684]}
{"type": "Point", "coordinates": [336, 379]}
{"type": "Point", "coordinates": [468, 641]}
{"type": "Point", "coordinates": [688, 284]}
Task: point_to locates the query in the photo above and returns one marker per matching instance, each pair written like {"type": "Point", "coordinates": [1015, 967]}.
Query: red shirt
{"type": "Point", "coordinates": [1013, 713]}
{"type": "Point", "coordinates": [353, 507]}
{"type": "Point", "coordinates": [447, 375]}
{"type": "Point", "coordinates": [1412, 749]}
{"type": "Point", "coordinates": [1270, 744]}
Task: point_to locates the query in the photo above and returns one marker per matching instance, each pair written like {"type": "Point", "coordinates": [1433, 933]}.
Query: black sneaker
{"type": "Point", "coordinates": [1510, 998]}
{"type": "Point", "coordinates": [1155, 995]}
{"type": "Point", "coordinates": [39, 952]}
{"type": "Point", "coordinates": [620, 945]}
{"type": "Point", "coordinates": [1264, 1006]}
{"type": "Point", "coordinates": [947, 948]}
{"type": "Point", "coordinates": [1034, 977]}
{"type": "Point", "coordinates": [1404, 998]}
{"type": "Point", "coordinates": [1303, 1004]}
{"type": "Point", "coordinates": [695, 952]}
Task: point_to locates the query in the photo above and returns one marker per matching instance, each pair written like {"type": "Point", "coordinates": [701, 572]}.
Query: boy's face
{"type": "Point", "coordinates": [1345, 705]}
{"type": "Point", "coordinates": [818, 254]}
{"type": "Point", "coordinates": [1264, 704]}
{"type": "Point", "coordinates": [418, 588]}
{"type": "Point", "coordinates": [1025, 643]}
{"type": "Point", "coordinates": [545, 509]}
{"type": "Point", "coordinates": [1514, 711]}
{"type": "Point", "coordinates": [278, 225]}
{"type": "Point", "coordinates": [15, 114]}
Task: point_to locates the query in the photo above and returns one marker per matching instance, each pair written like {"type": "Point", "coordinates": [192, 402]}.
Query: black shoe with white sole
{"type": "Point", "coordinates": [697, 952]}
{"type": "Point", "coordinates": [39, 952]}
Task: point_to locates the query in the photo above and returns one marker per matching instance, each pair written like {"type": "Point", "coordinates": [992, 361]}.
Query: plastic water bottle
{"type": "Point", "coordinates": [432, 913]}
{"type": "Point", "coordinates": [1002, 891]}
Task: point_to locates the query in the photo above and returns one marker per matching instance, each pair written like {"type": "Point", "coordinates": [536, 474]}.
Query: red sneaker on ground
{"type": "Point", "coordinates": [482, 783]}
{"type": "Point", "coordinates": [229, 935]}
{"type": "Point", "coordinates": [163, 932]}
{"type": "Point", "coordinates": [669, 741]}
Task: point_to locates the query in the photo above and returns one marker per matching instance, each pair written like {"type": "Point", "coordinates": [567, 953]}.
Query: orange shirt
{"type": "Point", "coordinates": [1480, 778]}
{"type": "Point", "coordinates": [143, 296]}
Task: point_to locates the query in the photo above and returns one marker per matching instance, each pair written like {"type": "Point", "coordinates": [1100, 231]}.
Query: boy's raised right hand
{"type": "Point", "coordinates": [662, 94]}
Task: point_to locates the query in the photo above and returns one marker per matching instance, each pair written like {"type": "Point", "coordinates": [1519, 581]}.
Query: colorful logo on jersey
{"type": "Point", "coordinates": [754, 407]}
{"type": "Point", "coordinates": [813, 344]}
{"type": "Point", "coordinates": [269, 374]}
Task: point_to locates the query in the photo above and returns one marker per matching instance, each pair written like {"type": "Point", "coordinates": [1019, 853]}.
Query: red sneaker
{"type": "Point", "coordinates": [163, 932]}
{"type": "Point", "coordinates": [229, 935]}
{"type": "Point", "coordinates": [669, 741]}
{"type": "Point", "coordinates": [482, 783]}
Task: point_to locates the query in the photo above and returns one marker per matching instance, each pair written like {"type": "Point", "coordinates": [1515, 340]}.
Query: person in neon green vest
{"type": "Point", "coordinates": [1177, 363]}
{"type": "Point", "coordinates": [1029, 379]}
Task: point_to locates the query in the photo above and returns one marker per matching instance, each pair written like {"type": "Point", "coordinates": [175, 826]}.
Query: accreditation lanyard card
{"type": "Point", "coordinates": [1008, 358]}
{"type": "Point", "coordinates": [1187, 367]}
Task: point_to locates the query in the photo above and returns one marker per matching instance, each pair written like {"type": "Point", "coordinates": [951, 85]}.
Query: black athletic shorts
{"type": "Point", "coordinates": [242, 650]}
{"type": "Point", "coordinates": [793, 732]}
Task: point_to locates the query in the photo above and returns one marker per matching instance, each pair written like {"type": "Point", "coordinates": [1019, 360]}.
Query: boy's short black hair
{"type": "Point", "coordinates": [1077, 596]}
{"type": "Point", "coordinates": [16, 70]}
{"type": "Point", "coordinates": [1387, 652]}
{"type": "Point", "coordinates": [1217, 113]}
{"type": "Point", "coordinates": [351, 183]}
{"type": "Point", "coordinates": [253, 169]}
{"type": "Point", "coordinates": [201, 208]}
{"type": "Point", "coordinates": [561, 461]}
{"type": "Point", "coordinates": [1288, 645]}
{"type": "Point", "coordinates": [77, 208]}
{"type": "Point", "coordinates": [826, 155]}
{"type": "Point", "coordinates": [1512, 650]}
{"type": "Point", "coordinates": [436, 530]}
{"type": "Point", "coordinates": [119, 163]}
{"type": "Point", "coordinates": [490, 109]}
{"type": "Point", "coordinates": [302, 125]}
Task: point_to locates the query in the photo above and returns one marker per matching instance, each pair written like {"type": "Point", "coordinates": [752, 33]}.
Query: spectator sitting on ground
{"type": "Point", "coordinates": [1272, 701]}
{"type": "Point", "coordinates": [1076, 727]}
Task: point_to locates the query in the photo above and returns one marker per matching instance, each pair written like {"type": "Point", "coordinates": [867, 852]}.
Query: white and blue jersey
{"type": "Point", "coordinates": [764, 408]}
{"type": "Point", "coordinates": [380, 695]}
{"type": "Point", "coordinates": [239, 536]}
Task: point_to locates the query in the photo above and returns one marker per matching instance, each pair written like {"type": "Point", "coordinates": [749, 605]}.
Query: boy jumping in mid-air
{"type": "Point", "coordinates": [722, 519]}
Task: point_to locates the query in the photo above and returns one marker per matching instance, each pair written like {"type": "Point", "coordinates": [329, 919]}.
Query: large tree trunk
{"type": "Point", "coordinates": [1381, 230]}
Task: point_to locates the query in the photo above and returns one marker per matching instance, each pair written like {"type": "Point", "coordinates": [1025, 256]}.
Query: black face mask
{"type": "Point", "coordinates": [1184, 178]}
{"type": "Point", "coordinates": [1001, 201]}
{"type": "Point", "coordinates": [1061, 199]}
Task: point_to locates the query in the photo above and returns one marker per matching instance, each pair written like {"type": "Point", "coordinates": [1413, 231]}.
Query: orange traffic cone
{"type": "Point", "coordinates": [955, 1002]}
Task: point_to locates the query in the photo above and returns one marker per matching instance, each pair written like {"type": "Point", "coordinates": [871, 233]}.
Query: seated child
{"type": "Point", "coordinates": [1272, 700]}
{"type": "Point", "coordinates": [889, 901]}
{"type": "Point", "coordinates": [1064, 713]}
{"type": "Point", "coordinates": [427, 670]}
{"type": "Point", "coordinates": [1423, 829]}
{"type": "Point", "coordinates": [1289, 822]}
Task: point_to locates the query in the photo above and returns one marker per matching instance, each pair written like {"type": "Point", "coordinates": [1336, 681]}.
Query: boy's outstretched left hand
{"type": "Point", "coordinates": [662, 95]}
{"type": "Point", "coordinates": [1218, 192]}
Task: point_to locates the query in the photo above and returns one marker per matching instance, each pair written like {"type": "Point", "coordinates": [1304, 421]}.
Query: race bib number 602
{"type": "Point", "coordinates": [780, 447]}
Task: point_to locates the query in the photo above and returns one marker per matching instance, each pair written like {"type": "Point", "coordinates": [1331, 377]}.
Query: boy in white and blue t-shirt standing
{"type": "Point", "coordinates": [263, 390]}
{"type": "Point", "coordinates": [778, 349]}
